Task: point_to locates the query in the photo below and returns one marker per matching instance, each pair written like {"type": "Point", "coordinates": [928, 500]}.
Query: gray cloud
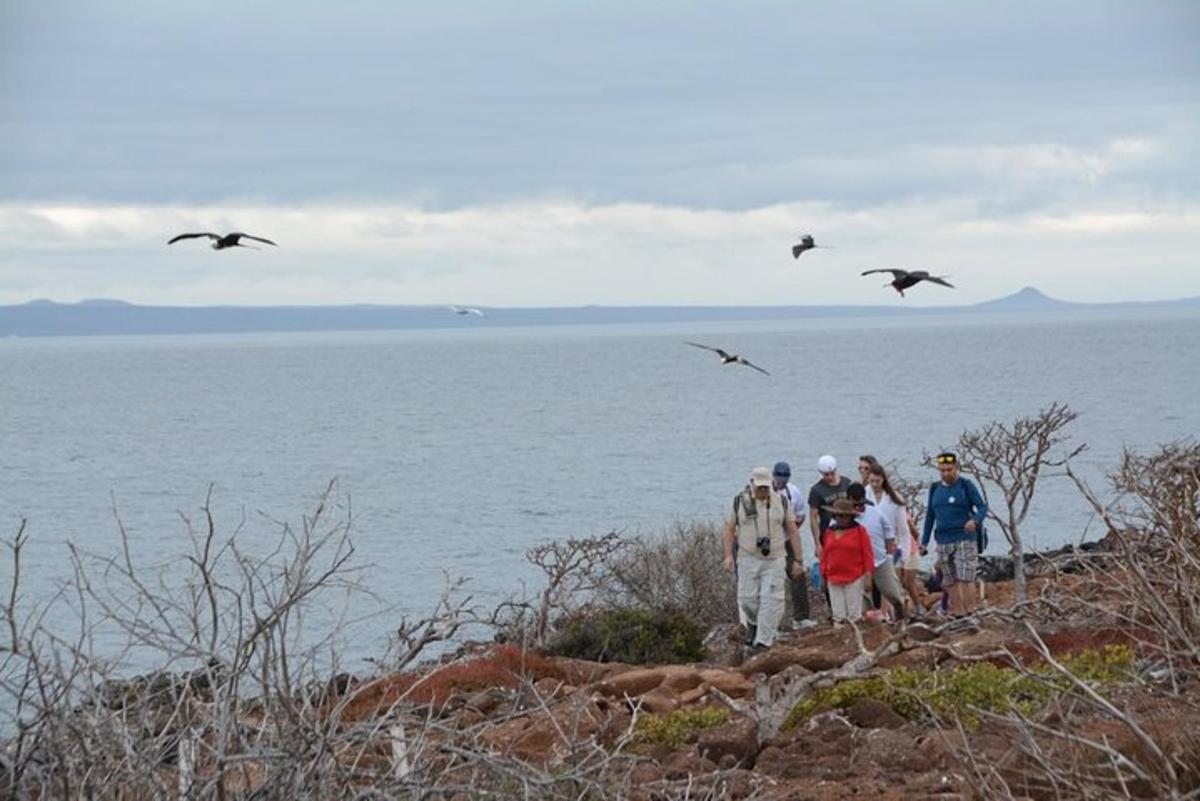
{"type": "Point", "coordinates": [726, 105]}
{"type": "Point", "coordinates": [543, 153]}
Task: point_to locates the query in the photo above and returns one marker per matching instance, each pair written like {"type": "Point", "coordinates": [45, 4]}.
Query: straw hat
{"type": "Point", "coordinates": [842, 506]}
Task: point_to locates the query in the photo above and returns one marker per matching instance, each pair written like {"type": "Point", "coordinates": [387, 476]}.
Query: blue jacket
{"type": "Point", "coordinates": [951, 507]}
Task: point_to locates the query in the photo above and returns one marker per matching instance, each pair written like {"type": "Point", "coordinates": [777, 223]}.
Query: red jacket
{"type": "Point", "coordinates": [846, 557]}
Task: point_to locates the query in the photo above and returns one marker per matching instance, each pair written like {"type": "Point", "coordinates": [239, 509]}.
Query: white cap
{"type": "Point", "coordinates": [760, 477]}
{"type": "Point", "coordinates": [826, 464]}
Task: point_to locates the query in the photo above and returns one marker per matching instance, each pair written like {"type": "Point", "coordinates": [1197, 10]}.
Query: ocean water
{"type": "Point", "coordinates": [458, 450]}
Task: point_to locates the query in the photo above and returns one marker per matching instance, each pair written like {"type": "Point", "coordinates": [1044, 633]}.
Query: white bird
{"type": "Point", "coordinates": [463, 312]}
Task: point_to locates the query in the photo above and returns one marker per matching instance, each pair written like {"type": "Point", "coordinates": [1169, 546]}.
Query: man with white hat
{"type": "Point", "coordinates": [759, 521]}
{"type": "Point", "coordinates": [829, 488]}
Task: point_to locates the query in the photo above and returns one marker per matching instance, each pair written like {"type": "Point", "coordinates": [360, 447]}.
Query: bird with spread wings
{"type": "Point", "coordinates": [903, 279]}
{"type": "Point", "coordinates": [233, 240]}
{"type": "Point", "coordinates": [729, 358]}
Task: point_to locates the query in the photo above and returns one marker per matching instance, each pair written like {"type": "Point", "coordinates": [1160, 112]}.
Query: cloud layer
{"type": "Point", "coordinates": [550, 153]}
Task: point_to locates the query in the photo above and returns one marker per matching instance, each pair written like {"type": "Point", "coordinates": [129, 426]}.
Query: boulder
{"type": "Point", "coordinates": [730, 682]}
{"type": "Point", "coordinates": [632, 682]}
{"type": "Point", "coordinates": [659, 701]}
{"type": "Point", "coordinates": [738, 737]}
{"type": "Point", "coordinates": [579, 672]}
{"type": "Point", "coordinates": [547, 688]}
{"type": "Point", "coordinates": [486, 701]}
{"type": "Point", "coordinates": [546, 736]}
{"type": "Point", "coordinates": [687, 763]}
{"type": "Point", "coordinates": [681, 678]}
{"type": "Point", "coordinates": [693, 695]}
{"type": "Point", "coordinates": [870, 713]}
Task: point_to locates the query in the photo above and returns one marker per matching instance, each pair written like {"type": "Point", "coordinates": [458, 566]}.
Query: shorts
{"type": "Point", "coordinates": [959, 561]}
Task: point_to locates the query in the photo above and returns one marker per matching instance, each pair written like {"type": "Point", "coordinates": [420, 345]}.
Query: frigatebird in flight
{"type": "Point", "coordinates": [729, 358]}
{"type": "Point", "coordinates": [233, 240]}
{"type": "Point", "coordinates": [806, 243]}
{"type": "Point", "coordinates": [903, 279]}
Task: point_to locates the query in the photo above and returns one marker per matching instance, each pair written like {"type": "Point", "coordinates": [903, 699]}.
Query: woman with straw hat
{"type": "Point", "coordinates": [846, 557]}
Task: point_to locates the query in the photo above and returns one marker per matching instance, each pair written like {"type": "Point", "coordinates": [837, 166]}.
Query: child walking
{"type": "Point", "coordinates": [846, 558]}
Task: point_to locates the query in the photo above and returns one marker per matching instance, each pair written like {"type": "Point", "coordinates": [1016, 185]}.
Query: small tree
{"type": "Point", "coordinates": [1010, 458]}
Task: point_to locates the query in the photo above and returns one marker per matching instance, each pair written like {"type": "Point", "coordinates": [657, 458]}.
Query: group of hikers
{"type": "Point", "coordinates": [866, 548]}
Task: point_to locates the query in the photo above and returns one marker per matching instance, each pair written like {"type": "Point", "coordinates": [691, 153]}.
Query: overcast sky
{"type": "Point", "coordinates": [567, 153]}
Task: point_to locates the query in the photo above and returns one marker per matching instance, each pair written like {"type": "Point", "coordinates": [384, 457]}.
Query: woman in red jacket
{"type": "Point", "coordinates": [846, 557]}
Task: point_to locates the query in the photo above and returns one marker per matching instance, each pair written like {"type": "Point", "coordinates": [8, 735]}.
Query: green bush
{"type": "Point", "coordinates": [635, 636]}
{"type": "Point", "coordinates": [678, 727]}
{"type": "Point", "coordinates": [965, 693]}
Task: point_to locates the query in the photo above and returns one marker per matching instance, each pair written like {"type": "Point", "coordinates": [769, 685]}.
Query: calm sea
{"type": "Point", "coordinates": [458, 450]}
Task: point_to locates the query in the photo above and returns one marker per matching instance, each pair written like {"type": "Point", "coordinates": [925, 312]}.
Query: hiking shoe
{"type": "Point", "coordinates": [800, 625]}
{"type": "Point", "coordinates": [758, 648]}
{"type": "Point", "coordinates": [751, 634]}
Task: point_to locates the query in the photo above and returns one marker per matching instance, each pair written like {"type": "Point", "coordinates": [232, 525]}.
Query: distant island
{"type": "Point", "coordinates": [40, 318]}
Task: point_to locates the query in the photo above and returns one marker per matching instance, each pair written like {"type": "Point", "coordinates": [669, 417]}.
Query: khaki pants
{"type": "Point", "coordinates": [889, 586]}
{"type": "Point", "coordinates": [760, 595]}
{"type": "Point", "coordinates": [846, 600]}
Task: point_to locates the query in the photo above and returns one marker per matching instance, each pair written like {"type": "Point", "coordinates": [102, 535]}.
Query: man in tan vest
{"type": "Point", "coordinates": [758, 521]}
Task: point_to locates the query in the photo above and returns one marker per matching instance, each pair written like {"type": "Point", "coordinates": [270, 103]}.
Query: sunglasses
{"type": "Point", "coordinates": [946, 458]}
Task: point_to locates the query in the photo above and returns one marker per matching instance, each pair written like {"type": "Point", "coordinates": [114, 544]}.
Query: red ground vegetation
{"type": "Point", "coordinates": [502, 666]}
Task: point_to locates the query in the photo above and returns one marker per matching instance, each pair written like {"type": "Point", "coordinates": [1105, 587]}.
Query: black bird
{"type": "Point", "coordinates": [903, 279]}
{"type": "Point", "coordinates": [221, 242]}
{"type": "Point", "coordinates": [806, 243]}
{"type": "Point", "coordinates": [727, 358]}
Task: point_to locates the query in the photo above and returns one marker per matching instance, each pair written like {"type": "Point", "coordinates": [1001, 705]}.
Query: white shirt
{"type": "Point", "coordinates": [799, 504]}
{"type": "Point", "coordinates": [897, 515]}
{"type": "Point", "coordinates": [880, 529]}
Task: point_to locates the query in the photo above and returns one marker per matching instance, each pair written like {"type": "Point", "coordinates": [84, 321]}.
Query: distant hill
{"type": "Point", "coordinates": [115, 317]}
{"type": "Point", "coordinates": [1027, 299]}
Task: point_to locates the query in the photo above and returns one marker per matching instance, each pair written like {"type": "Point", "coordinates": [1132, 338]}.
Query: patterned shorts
{"type": "Point", "coordinates": [959, 561]}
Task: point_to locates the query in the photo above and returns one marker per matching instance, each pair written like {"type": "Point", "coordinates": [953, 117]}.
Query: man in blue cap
{"type": "Point", "coordinates": [781, 481]}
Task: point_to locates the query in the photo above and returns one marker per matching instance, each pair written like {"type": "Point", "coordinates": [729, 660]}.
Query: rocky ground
{"type": "Point", "coordinates": [864, 750]}
{"type": "Point", "coordinates": [497, 721]}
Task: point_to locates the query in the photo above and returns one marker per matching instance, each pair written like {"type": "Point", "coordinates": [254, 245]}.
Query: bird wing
{"type": "Point", "coordinates": [175, 239]}
{"type": "Point", "coordinates": [895, 273]}
{"type": "Point", "coordinates": [255, 238]}
{"type": "Point", "coordinates": [797, 250]}
{"type": "Point", "coordinates": [717, 351]}
{"type": "Point", "coordinates": [938, 279]}
{"type": "Point", "coordinates": [754, 366]}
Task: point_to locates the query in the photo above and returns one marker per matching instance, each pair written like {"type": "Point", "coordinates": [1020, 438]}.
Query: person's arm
{"type": "Point", "coordinates": [928, 527]}
{"type": "Point", "coordinates": [868, 550]}
{"type": "Point", "coordinates": [976, 499]}
{"type": "Point", "coordinates": [729, 526]}
{"type": "Point", "coordinates": [814, 520]}
{"type": "Point", "coordinates": [793, 534]}
{"type": "Point", "coordinates": [823, 558]}
{"type": "Point", "coordinates": [889, 534]}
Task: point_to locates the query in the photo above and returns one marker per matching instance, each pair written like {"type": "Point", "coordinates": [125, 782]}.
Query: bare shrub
{"type": "Point", "coordinates": [676, 573]}
{"type": "Point", "coordinates": [1137, 741]}
{"type": "Point", "coordinates": [680, 571]}
{"type": "Point", "coordinates": [244, 696]}
{"type": "Point", "coordinates": [1153, 527]}
{"type": "Point", "coordinates": [1007, 460]}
